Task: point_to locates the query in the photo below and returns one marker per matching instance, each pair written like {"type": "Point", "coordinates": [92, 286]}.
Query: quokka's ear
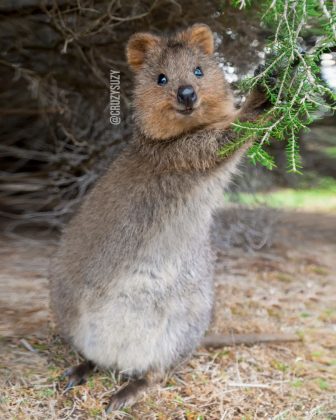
{"type": "Point", "coordinates": [138, 46]}
{"type": "Point", "coordinates": [199, 35]}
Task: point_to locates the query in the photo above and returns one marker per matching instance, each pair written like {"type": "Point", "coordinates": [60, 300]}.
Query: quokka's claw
{"type": "Point", "coordinates": [77, 375]}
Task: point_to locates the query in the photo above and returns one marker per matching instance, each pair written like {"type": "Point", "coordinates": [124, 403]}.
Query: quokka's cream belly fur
{"type": "Point", "coordinates": [150, 328]}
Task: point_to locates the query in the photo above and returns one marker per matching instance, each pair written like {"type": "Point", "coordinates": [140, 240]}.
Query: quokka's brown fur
{"type": "Point", "coordinates": [131, 284]}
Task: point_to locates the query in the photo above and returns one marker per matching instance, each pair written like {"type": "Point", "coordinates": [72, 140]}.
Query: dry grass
{"type": "Point", "coordinates": [288, 287]}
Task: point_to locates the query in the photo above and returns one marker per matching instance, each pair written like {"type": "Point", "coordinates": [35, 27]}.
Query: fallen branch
{"type": "Point", "coordinates": [216, 341]}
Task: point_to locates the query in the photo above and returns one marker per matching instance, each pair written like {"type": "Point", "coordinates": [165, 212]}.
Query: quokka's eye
{"type": "Point", "coordinates": [198, 72]}
{"type": "Point", "coordinates": [162, 79]}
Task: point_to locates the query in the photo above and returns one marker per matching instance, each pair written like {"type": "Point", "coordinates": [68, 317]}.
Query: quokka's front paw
{"type": "Point", "coordinates": [258, 100]}
{"type": "Point", "coordinates": [271, 77]}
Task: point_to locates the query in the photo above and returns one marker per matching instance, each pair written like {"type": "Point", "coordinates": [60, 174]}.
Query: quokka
{"type": "Point", "coordinates": [131, 284]}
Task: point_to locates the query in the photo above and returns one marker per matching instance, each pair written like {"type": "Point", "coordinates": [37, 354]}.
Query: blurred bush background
{"type": "Point", "coordinates": [55, 59]}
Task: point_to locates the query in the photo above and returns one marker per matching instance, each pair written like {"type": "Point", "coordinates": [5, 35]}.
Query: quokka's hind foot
{"type": "Point", "coordinates": [77, 375]}
{"type": "Point", "coordinates": [127, 395]}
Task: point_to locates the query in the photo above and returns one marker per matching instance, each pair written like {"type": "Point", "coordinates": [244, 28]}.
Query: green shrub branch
{"type": "Point", "coordinates": [298, 91]}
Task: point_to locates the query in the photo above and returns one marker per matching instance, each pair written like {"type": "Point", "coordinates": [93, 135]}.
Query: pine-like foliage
{"type": "Point", "coordinates": [298, 91]}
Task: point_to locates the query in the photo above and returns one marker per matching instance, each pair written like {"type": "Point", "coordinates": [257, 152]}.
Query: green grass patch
{"type": "Point", "coordinates": [330, 151]}
{"type": "Point", "coordinates": [278, 365]}
{"type": "Point", "coordinates": [314, 199]}
{"type": "Point", "coordinates": [297, 383]}
{"type": "Point", "coordinates": [314, 193]}
{"type": "Point", "coordinates": [46, 393]}
{"type": "Point", "coordinates": [95, 412]}
{"type": "Point", "coordinates": [305, 315]}
{"type": "Point", "coordinates": [323, 384]}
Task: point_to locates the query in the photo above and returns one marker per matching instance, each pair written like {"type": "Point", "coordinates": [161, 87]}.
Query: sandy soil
{"type": "Point", "coordinates": [288, 287]}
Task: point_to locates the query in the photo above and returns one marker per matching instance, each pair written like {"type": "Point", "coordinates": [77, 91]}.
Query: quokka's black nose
{"type": "Point", "coordinates": [186, 95]}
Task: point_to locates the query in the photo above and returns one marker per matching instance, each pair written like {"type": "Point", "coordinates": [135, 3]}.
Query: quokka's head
{"type": "Point", "coordinates": [178, 83]}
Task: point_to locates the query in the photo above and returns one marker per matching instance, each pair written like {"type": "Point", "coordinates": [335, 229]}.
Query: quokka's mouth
{"type": "Point", "coordinates": [186, 111]}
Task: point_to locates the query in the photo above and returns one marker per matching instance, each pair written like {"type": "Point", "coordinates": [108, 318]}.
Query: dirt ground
{"type": "Point", "coordinates": [288, 287]}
